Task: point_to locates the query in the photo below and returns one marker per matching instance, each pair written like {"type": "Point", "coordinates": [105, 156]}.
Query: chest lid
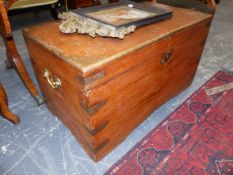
{"type": "Point", "coordinates": [87, 54]}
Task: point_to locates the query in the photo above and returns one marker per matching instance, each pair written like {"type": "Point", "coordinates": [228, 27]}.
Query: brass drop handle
{"type": "Point", "coordinates": [54, 82]}
{"type": "Point", "coordinates": [166, 57]}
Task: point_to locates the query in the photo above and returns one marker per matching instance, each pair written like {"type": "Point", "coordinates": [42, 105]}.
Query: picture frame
{"type": "Point", "coordinates": [124, 14]}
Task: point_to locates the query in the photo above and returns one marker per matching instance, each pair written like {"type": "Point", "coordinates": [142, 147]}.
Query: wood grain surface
{"type": "Point", "coordinates": [86, 53]}
{"type": "Point", "coordinates": [102, 106]}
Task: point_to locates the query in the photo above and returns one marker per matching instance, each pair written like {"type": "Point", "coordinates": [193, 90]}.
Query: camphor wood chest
{"type": "Point", "coordinates": [102, 88]}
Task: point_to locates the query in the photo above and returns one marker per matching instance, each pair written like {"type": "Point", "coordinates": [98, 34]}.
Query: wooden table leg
{"type": "Point", "coordinates": [4, 109]}
{"type": "Point", "coordinates": [15, 61]}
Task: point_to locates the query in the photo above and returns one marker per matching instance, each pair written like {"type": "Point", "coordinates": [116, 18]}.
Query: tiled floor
{"type": "Point", "coordinates": [41, 145]}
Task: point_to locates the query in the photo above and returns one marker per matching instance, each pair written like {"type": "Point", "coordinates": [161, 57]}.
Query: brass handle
{"type": "Point", "coordinates": [166, 57]}
{"type": "Point", "coordinates": [54, 82]}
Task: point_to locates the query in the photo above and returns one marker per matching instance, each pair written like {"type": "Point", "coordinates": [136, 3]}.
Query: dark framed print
{"type": "Point", "coordinates": [124, 14]}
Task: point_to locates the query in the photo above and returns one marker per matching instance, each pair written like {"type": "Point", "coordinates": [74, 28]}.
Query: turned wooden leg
{"type": "Point", "coordinates": [15, 61]}
{"type": "Point", "coordinates": [4, 109]}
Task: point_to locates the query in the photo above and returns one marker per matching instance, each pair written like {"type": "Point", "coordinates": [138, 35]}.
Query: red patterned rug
{"type": "Point", "coordinates": [196, 139]}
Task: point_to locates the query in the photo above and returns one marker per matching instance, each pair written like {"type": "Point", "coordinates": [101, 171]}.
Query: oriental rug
{"type": "Point", "coordinates": [196, 139]}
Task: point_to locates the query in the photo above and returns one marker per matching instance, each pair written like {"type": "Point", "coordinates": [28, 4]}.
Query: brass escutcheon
{"type": "Point", "coordinates": [166, 57]}
{"type": "Point", "coordinates": [54, 82]}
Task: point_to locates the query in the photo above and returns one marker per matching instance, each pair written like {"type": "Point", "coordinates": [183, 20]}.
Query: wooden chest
{"type": "Point", "coordinates": [103, 88]}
